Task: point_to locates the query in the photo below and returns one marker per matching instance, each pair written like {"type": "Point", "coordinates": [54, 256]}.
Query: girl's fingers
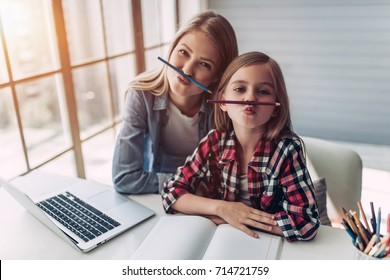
{"type": "Point", "coordinates": [248, 231]}
{"type": "Point", "coordinates": [268, 219]}
{"type": "Point", "coordinates": [262, 226]}
{"type": "Point", "coordinates": [262, 213]}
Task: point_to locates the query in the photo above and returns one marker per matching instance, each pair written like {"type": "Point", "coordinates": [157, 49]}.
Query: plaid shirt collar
{"type": "Point", "coordinates": [260, 158]}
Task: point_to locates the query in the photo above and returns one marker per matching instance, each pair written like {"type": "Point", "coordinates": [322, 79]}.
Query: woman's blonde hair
{"type": "Point", "coordinates": [280, 123]}
{"type": "Point", "coordinates": [216, 28]}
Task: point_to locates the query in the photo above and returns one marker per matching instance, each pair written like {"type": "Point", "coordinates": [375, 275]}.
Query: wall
{"type": "Point", "coordinates": [335, 55]}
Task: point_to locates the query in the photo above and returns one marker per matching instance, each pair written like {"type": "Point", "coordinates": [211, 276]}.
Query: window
{"type": "Point", "coordinates": [159, 26]}
{"type": "Point", "coordinates": [63, 78]}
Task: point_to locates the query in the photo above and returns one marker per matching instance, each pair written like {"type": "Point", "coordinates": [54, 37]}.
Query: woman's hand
{"type": "Point", "coordinates": [241, 216]}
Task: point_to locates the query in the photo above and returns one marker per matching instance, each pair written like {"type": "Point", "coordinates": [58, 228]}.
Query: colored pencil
{"type": "Point", "coordinates": [254, 103]}
{"type": "Point", "coordinates": [185, 75]}
{"type": "Point", "coordinates": [373, 218]}
{"type": "Point", "coordinates": [378, 226]}
{"type": "Point", "coordinates": [363, 216]}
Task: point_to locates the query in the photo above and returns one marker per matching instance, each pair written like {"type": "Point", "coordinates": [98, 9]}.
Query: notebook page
{"type": "Point", "coordinates": [177, 237]}
{"type": "Point", "coordinates": [229, 243]}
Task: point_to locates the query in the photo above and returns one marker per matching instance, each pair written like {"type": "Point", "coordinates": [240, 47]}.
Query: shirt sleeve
{"type": "Point", "coordinates": [299, 217]}
{"type": "Point", "coordinates": [128, 174]}
{"type": "Point", "coordinates": [190, 175]}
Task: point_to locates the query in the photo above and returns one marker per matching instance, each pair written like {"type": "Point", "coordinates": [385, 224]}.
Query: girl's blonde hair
{"type": "Point", "coordinates": [216, 28]}
{"type": "Point", "coordinates": [280, 123]}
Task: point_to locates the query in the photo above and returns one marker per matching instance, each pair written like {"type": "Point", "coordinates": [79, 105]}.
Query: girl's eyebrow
{"type": "Point", "coordinates": [257, 84]}
{"type": "Point", "coordinates": [239, 82]}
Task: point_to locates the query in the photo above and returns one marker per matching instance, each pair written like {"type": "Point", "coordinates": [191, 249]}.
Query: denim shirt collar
{"type": "Point", "coordinates": [161, 102]}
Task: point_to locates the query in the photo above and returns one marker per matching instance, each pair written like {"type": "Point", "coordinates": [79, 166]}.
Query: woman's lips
{"type": "Point", "coordinates": [183, 80]}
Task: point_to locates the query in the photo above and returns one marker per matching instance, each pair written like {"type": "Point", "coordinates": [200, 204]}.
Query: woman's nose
{"type": "Point", "coordinates": [188, 68]}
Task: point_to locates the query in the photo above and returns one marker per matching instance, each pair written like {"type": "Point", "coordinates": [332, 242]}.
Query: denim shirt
{"type": "Point", "coordinates": [138, 150]}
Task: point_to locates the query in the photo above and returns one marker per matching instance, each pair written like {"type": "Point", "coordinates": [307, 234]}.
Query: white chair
{"type": "Point", "coordinates": [342, 169]}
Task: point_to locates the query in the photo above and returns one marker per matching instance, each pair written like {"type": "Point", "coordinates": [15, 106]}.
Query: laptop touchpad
{"type": "Point", "coordinates": [106, 200]}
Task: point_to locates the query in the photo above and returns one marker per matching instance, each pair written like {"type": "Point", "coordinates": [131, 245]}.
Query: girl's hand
{"type": "Point", "coordinates": [215, 219]}
{"type": "Point", "coordinates": [241, 216]}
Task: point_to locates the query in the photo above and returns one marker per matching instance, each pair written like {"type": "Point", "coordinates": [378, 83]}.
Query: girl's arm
{"type": "Point", "coordinates": [180, 192]}
{"type": "Point", "coordinates": [237, 214]}
{"type": "Point", "coordinates": [299, 217]}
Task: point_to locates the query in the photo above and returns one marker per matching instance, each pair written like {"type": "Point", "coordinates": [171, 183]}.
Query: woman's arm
{"type": "Point", "coordinates": [128, 173]}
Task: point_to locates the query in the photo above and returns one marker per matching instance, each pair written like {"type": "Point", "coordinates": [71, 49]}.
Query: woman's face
{"type": "Point", "coordinates": [197, 56]}
{"type": "Point", "coordinates": [251, 83]}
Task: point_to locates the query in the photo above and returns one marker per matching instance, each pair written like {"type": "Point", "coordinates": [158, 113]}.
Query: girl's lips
{"type": "Point", "coordinates": [249, 110]}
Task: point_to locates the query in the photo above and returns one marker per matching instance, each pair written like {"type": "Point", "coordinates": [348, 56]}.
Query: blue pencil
{"type": "Point", "coordinates": [378, 226]}
{"type": "Point", "coordinates": [185, 75]}
{"type": "Point", "coordinates": [373, 219]}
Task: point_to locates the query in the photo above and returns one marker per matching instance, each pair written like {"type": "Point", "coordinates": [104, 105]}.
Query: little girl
{"type": "Point", "coordinates": [250, 171]}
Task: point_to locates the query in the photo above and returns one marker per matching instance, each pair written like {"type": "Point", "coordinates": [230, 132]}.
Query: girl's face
{"type": "Point", "coordinates": [197, 56]}
{"type": "Point", "coordinates": [252, 83]}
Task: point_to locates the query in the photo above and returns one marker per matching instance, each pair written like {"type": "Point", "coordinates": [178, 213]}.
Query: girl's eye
{"type": "Point", "coordinates": [263, 92]}
{"type": "Point", "coordinates": [239, 89]}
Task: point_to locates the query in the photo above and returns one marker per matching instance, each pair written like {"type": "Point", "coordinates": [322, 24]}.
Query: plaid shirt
{"type": "Point", "coordinates": [278, 180]}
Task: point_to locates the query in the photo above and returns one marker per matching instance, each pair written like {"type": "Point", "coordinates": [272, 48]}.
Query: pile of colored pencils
{"type": "Point", "coordinates": [368, 239]}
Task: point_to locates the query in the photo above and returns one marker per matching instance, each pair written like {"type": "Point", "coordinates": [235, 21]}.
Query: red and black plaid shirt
{"type": "Point", "coordinates": [278, 180]}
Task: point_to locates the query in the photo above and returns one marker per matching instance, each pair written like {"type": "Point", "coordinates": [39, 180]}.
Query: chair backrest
{"type": "Point", "coordinates": [342, 169]}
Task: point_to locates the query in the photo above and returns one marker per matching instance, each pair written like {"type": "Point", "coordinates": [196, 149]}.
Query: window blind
{"type": "Point", "coordinates": [335, 56]}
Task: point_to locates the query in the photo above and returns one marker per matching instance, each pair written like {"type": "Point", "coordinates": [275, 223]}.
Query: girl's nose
{"type": "Point", "coordinates": [250, 95]}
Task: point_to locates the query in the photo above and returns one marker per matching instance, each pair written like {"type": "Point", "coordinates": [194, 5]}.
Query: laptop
{"type": "Point", "coordinates": [84, 213]}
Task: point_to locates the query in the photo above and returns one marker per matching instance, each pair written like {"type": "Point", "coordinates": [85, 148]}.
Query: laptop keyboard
{"type": "Point", "coordinates": [78, 216]}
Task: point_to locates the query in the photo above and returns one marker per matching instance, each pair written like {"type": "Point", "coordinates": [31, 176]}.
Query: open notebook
{"type": "Point", "coordinates": [196, 237]}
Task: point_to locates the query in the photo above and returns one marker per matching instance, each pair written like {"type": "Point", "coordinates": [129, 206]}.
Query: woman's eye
{"type": "Point", "coordinates": [206, 65]}
{"type": "Point", "coordinates": [183, 52]}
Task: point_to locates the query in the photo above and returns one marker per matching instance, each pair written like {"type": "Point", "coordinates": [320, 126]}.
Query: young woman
{"type": "Point", "coordinates": [166, 115]}
{"type": "Point", "coordinates": [250, 171]}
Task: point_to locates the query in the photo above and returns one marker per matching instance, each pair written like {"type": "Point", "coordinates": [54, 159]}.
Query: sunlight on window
{"type": "Point", "coordinates": [83, 22]}
{"type": "Point", "coordinates": [43, 117]}
{"type": "Point", "coordinates": [158, 21]}
{"type": "Point", "coordinates": [29, 36]}
{"type": "Point", "coordinates": [35, 109]}
{"type": "Point", "coordinates": [118, 26]}
{"type": "Point", "coordinates": [93, 103]}
{"type": "Point", "coordinates": [121, 71]}
{"type": "Point", "coordinates": [3, 69]}
{"type": "Point", "coordinates": [11, 151]}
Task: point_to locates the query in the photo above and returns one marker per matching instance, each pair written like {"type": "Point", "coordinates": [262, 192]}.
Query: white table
{"type": "Point", "coordinates": [24, 237]}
